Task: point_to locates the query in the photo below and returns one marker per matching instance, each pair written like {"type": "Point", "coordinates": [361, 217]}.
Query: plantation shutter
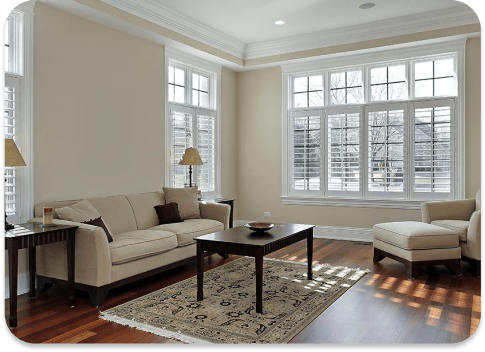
{"type": "Point", "coordinates": [207, 150]}
{"type": "Point", "coordinates": [305, 151]}
{"type": "Point", "coordinates": [12, 189]}
{"type": "Point", "coordinates": [182, 138]}
{"type": "Point", "coordinates": [433, 161]}
{"type": "Point", "coordinates": [344, 153]}
{"type": "Point", "coordinates": [386, 138]}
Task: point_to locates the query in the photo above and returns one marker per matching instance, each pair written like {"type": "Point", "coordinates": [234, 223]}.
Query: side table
{"type": "Point", "coordinates": [228, 201]}
{"type": "Point", "coordinates": [31, 235]}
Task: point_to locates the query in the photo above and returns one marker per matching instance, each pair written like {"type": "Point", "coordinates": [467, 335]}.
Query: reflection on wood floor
{"type": "Point", "coordinates": [383, 307]}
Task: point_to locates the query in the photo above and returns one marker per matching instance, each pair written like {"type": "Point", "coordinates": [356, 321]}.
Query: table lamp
{"type": "Point", "coordinates": [191, 157]}
{"type": "Point", "coordinates": [12, 158]}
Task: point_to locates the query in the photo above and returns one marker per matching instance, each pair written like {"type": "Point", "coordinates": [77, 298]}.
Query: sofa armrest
{"type": "Point", "coordinates": [448, 210]}
{"type": "Point", "coordinates": [92, 256]}
{"type": "Point", "coordinates": [215, 211]}
{"type": "Point", "coordinates": [473, 237]}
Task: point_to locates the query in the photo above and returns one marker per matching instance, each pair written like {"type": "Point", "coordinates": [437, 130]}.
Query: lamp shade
{"type": "Point", "coordinates": [191, 157]}
{"type": "Point", "coordinates": [12, 154]}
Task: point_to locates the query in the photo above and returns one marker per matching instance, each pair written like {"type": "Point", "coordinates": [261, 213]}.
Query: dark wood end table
{"type": "Point", "coordinates": [243, 241]}
{"type": "Point", "coordinates": [31, 235]}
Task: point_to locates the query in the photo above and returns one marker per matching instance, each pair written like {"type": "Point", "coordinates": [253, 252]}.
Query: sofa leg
{"type": "Point", "coordinates": [454, 266]}
{"type": "Point", "coordinates": [475, 267]}
{"type": "Point", "coordinates": [378, 256]}
{"type": "Point", "coordinates": [97, 295]}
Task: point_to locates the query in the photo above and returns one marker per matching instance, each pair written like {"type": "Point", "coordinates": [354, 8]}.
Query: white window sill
{"type": "Point", "coordinates": [354, 202]}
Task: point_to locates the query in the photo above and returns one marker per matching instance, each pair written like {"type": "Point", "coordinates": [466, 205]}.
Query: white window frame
{"type": "Point", "coordinates": [20, 75]}
{"type": "Point", "coordinates": [213, 71]}
{"type": "Point", "coordinates": [409, 53]}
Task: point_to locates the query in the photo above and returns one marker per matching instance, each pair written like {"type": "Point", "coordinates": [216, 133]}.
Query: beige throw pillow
{"type": "Point", "coordinates": [186, 198]}
{"type": "Point", "coordinates": [84, 212]}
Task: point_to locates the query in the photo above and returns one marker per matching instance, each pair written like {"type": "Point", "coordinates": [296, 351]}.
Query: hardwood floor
{"type": "Point", "coordinates": [383, 307]}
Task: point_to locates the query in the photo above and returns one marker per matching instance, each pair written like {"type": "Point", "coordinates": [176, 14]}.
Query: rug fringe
{"type": "Point", "coordinates": [151, 329]}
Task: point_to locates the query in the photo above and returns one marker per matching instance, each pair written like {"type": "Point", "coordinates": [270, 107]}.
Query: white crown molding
{"type": "Point", "coordinates": [179, 23]}
{"type": "Point", "coordinates": [382, 29]}
{"type": "Point", "coordinates": [27, 6]}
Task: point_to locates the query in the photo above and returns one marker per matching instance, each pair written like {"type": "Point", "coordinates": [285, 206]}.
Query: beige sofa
{"type": "Point", "coordinates": [463, 217]}
{"type": "Point", "coordinates": [140, 247]}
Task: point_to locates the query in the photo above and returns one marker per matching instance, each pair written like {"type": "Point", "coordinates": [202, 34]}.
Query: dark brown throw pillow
{"type": "Point", "coordinates": [168, 213]}
{"type": "Point", "coordinates": [100, 222]}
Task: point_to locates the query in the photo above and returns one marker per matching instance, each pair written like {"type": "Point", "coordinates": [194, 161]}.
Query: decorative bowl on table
{"type": "Point", "coordinates": [259, 226]}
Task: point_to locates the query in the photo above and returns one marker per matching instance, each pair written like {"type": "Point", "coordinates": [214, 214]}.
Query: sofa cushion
{"type": "Point", "coordinates": [411, 235]}
{"type": "Point", "coordinates": [133, 245]}
{"type": "Point", "coordinates": [142, 205]}
{"type": "Point", "coordinates": [459, 226]}
{"type": "Point", "coordinates": [168, 213]}
{"type": "Point", "coordinates": [186, 198]}
{"type": "Point", "coordinates": [84, 212]}
{"type": "Point", "coordinates": [187, 230]}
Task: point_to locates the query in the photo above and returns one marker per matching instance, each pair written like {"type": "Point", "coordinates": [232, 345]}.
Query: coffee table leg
{"type": "Point", "coordinates": [309, 252]}
{"type": "Point", "coordinates": [259, 283]}
{"type": "Point", "coordinates": [200, 272]}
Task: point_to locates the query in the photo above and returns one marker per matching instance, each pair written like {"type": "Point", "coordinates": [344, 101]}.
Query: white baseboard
{"type": "Point", "coordinates": [335, 232]}
{"type": "Point", "coordinates": [23, 285]}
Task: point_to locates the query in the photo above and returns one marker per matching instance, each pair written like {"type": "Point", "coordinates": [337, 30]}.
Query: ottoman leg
{"type": "Point", "coordinates": [412, 269]}
{"type": "Point", "coordinates": [378, 255]}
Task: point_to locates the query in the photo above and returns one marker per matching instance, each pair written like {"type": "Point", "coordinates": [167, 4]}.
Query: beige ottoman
{"type": "Point", "coordinates": [417, 244]}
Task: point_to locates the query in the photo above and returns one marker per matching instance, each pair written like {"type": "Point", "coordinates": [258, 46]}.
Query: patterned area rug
{"type": "Point", "coordinates": [228, 312]}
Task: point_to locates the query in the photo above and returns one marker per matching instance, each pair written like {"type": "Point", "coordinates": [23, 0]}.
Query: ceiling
{"type": "Point", "coordinates": [252, 21]}
{"type": "Point", "coordinates": [245, 29]}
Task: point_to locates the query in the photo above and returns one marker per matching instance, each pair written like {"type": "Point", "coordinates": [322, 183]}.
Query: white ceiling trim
{"type": "Point", "coordinates": [179, 23]}
{"type": "Point", "coordinates": [382, 29]}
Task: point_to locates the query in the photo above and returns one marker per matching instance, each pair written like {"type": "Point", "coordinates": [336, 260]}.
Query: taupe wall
{"type": "Point", "coordinates": [259, 119]}
{"type": "Point", "coordinates": [98, 109]}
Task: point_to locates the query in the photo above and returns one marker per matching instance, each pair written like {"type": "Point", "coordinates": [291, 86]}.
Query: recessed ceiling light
{"type": "Point", "coordinates": [280, 22]}
{"type": "Point", "coordinates": [367, 5]}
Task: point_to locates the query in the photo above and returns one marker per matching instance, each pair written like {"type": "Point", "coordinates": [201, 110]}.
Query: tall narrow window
{"type": "Point", "coordinates": [432, 148]}
{"type": "Point", "coordinates": [343, 138]}
{"type": "Point", "coordinates": [11, 189]}
{"type": "Point", "coordinates": [305, 152]}
{"type": "Point", "coordinates": [386, 150]}
{"type": "Point", "coordinates": [193, 121]}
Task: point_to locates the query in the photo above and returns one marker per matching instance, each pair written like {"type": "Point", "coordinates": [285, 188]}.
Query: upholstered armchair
{"type": "Point", "coordinates": [462, 216]}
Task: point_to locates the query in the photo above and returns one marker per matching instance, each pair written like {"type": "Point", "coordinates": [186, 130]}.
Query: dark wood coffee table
{"type": "Point", "coordinates": [243, 241]}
